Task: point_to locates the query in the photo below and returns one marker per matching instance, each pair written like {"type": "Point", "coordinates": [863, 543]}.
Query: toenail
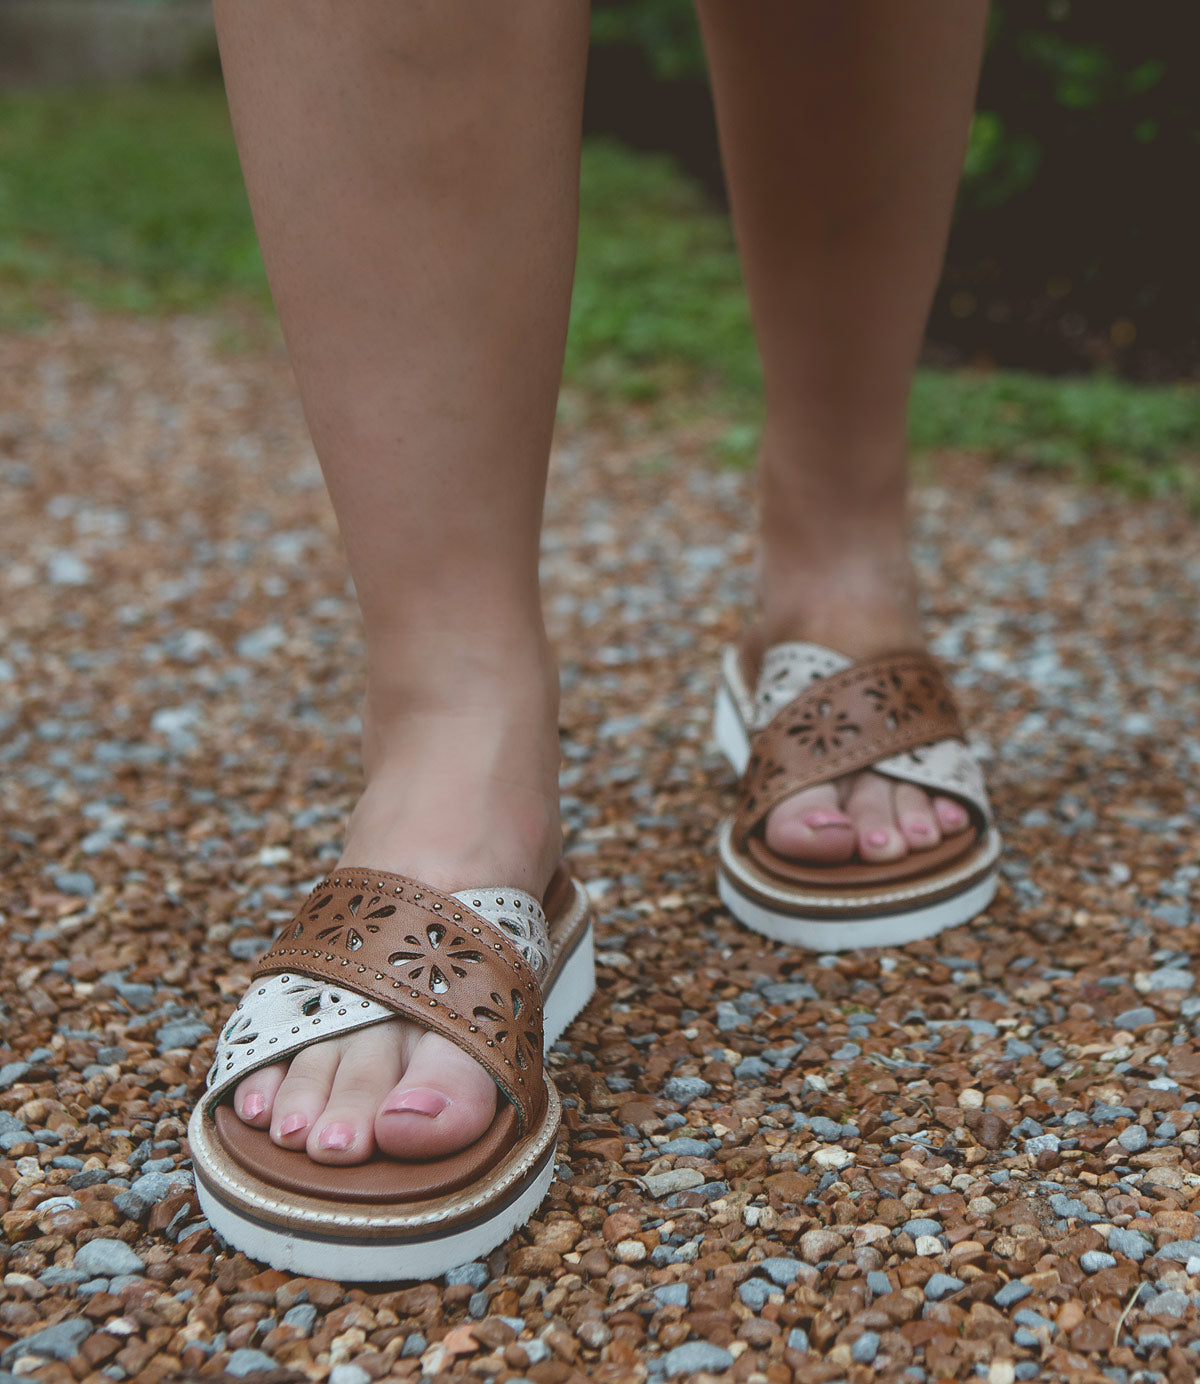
{"type": "Point", "coordinates": [819, 820]}
{"type": "Point", "coordinates": [252, 1106]}
{"type": "Point", "coordinates": [292, 1123]}
{"type": "Point", "coordinates": [336, 1136]}
{"type": "Point", "coordinates": [878, 838]}
{"type": "Point", "coordinates": [422, 1102]}
{"type": "Point", "coordinates": [919, 828]}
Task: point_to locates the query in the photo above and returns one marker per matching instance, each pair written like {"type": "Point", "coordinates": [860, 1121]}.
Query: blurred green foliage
{"type": "Point", "coordinates": [132, 199]}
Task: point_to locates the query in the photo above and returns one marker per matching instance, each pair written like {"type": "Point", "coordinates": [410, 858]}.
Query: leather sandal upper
{"type": "Point", "coordinates": [368, 946]}
{"type": "Point", "coordinates": [817, 716]}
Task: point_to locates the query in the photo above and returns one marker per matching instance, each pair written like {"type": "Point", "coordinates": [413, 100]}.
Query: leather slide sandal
{"type": "Point", "coordinates": [493, 970]}
{"type": "Point", "coordinates": [814, 716]}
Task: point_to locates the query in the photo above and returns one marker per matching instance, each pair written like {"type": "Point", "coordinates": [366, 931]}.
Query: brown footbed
{"type": "Point", "coordinates": [382, 1178]}
{"type": "Point", "coordinates": [863, 873]}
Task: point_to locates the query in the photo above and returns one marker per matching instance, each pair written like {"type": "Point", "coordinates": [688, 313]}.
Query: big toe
{"type": "Point", "coordinates": [444, 1102]}
{"type": "Point", "coordinates": [811, 825]}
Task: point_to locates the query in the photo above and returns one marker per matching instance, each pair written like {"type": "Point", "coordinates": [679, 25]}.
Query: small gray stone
{"type": "Point", "coordinates": [349, 1373]}
{"type": "Point", "coordinates": [413, 1346]}
{"type": "Point", "coordinates": [93, 1285]}
{"type": "Point", "coordinates": [474, 1274]}
{"type": "Point", "coordinates": [825, 1128]}
{"type": "Point", "coordinates": [798, 1340]}
{"type": "Point", "coordinates": [941, 1285]}
{"type": "Point", "coordinates": [672, 1295]}
{"type": "Point", "coordinates": [1133, 1138]}
{"type": "Point", "coordinates": [922, 1225]}
{"type": "Point", "coordinates": [301, 1316]}
{"type": "Point", "coordinates": [694, 1357]}
{"type": "Point", "coordinates": [11, 1073]}
{"type": "Point", "coordinates": [477, 1305]}
{"type": "Point", "coordinates": [132, 1207]}
{"type": "Point", "coordinates": [1011, 1293]}
{"type": "Point", "coordinates": [1025, 1338]}
{"type": "Point", "coordinates": [754, 1293]}
{"type": "Point", "coordinates": [108, 1257]}
{"type": "Point", "coordinates": [1027, 1317]}
{"type": "Point", "coordinates": [879, 1283]}
{"type": "Point", "coordinates": [691, 1148]}
{"type": "Point", "coordinates": [866, 1348]}
{"type": "Point", "coordinates": [151, 1187]}
{"type": "Point", "coordinates": [1093, 1260]}
{"type": "Point", "coordinates": [1178, 1252]}
{"type": "Point", "coordinates": [1103, 1113]}
{"type": "Point", "coordinates": [685, 1089]}
{"type": "Point", "coordinates": [752, 1069]}
{"type": "Point", "coordinates": [261, 643]}
{"type": "Point", "coordinates": [781, 1271]}
{"type": "Point", "coordinates": [1129, 1243]}
{"type": "Point", "coordinates": [58, 1342]}
{"type": "Point", "coordinates": [1042, 1143]}
{"type": "Point", "coordinates": [181, 1033]}
{"type": "Point", "coordinates": [248, 948]}
{"type": "Point", "coordinates": [58, 1277]}
{"type": "Point", "coordinates": [1135, 1018]}
{"type": "Point", "coordinates": [1169, 1303]}
{"type": "Point", "coordinates": [78, 883]}
{"type": "Point", "coordinates": [1170, 978]}
{"type": "Point", "coordinates": [246, 1361]}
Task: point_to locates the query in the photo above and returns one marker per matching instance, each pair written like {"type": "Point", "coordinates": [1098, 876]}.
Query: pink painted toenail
{"type": "Point", "coordinates": [878, 838]}
{"type": "Point", "coordinates": [336, 1136]}
{"type": "Point", "coordinates": [819, 820]}
{"type": "Point", "coordinates": [919, 828]}
{"type": "Point", "coordinates": [420, 1102]}
{"type": "Point", "coordinates": [253, 1106]}
{"type": "Point", "coordinates": [291, 1124]}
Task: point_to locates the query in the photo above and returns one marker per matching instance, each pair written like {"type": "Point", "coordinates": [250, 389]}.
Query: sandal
{"type": "Point", "coordinates": [476, 966]}
{"type": "Point", "coordinates": [815, 716]}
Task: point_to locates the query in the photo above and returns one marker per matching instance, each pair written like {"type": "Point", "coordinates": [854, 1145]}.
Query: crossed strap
{"type": "Point", "coordinates": [842, 723]}
{"type": "Point", "coordinates": [366, 946]}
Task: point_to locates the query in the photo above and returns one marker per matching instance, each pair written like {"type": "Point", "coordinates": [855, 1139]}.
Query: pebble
{"type": "Point", "coordinates": [685, 1089]}
{"type": "Point", "coordinates": [474, 1275]}
{"type": "Point", "coordinates": [58, 1342]}
{"type": "Point", "coordinates": [181, 1033]}
{"type": "Point", "coordinates": [687, 1148]}
{"type": "Point", "coordinates": [798, 1340]}
{"type": "Point", "coordinates": [1093, 1260]}
{"type": "Point", "coordinates": [694, 1357]}
{"type": "Point", "coordinates": [754, 1293]}
{"type": "Point", "coordinates": [781, 1271]}
{"type": "Point", "coordinates": [1133, 1138]}
{"type": "Point", "coordinates": [1042, 1143]}
{"type": "Point", "coordinates": [879, 1283]}
{"type": "Point", "coordinates": [245, 1361]}
{"type": "Point", "coordinates": [302, 1316]}
{"type": "Point", "coordinates": [922, 1225]}
{"type": "Point", "coordinates": [866, 1348]}
{"type": "Point", "coordinates": [1135, 1018]}
{"type": "Point", "coordinates": [1129, 1243]}
{"type": "Point", "coordinates": [107, 1258]}
{"type": "Point", "coordinates": [659, 1185]}
{"type": "Point", "coordinates": [348, 1374]}
{"type": "Point", "coordinates": [819, 1244]}
{"type": "Point", "coordinates": [672, 1295]}
{"type": "Point", "coordinates": [1011, 1293]}
{"type": "Point", "coordinates": [941, 1285]}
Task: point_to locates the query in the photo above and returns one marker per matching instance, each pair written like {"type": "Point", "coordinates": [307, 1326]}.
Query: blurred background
{"type": "Point", "coordinates": [1066, 330]}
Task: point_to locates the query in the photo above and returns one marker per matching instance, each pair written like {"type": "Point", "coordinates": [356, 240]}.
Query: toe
{"type": "Point", "coordinates": [303, 1094]}
{"type": "Point", "coordinates": [869, 803]}
{"type": "Point", "coordinates": [952, 816]}
{"type": "Point", "coordinates": [445, 1102]}
{"type": "Point", "coordinates": [369, 1065]}
{"type": "Point", "coordinates": [915, 817]}
{"type": "Point", "coordinates": [811, 826]}
{"type": "Point", "coordinates": [254, 1098]}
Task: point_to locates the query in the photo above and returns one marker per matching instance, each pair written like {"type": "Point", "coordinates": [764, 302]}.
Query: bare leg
{"type": "Point", "coordinates": [413, 170]}
{"type": "Point", "coordinates": [843, 129]}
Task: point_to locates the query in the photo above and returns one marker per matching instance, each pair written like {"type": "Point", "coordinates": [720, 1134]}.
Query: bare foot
{"type": "Point", "coordinates": [458, 797]}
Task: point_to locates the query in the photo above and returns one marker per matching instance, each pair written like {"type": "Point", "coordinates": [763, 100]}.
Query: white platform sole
{"type": "Point", "coordinates": [424, 1256]}
{"type": "Point", "coordinates": [893, 925]}
{"type": "Point", "coordinates": [367, 1262]}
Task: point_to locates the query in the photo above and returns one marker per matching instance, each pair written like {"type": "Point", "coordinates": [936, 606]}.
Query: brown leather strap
{"type": "Point", "coordinates": [843, 723]}
{"type": "Point", "coordinates": [429, 957]}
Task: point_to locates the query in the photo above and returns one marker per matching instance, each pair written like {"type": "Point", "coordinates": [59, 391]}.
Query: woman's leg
{"type": "Point", "coordinates": [843, 129]}
{"type": "Point", "coordinates": [413, 170]}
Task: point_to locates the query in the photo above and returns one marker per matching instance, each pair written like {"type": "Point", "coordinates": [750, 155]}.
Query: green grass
{"type": "Point", "coordinates": [132, 200]}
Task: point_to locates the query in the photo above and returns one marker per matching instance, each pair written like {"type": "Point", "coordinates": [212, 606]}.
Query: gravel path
{"type": "Point", "coordinates": [977, 1157]}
